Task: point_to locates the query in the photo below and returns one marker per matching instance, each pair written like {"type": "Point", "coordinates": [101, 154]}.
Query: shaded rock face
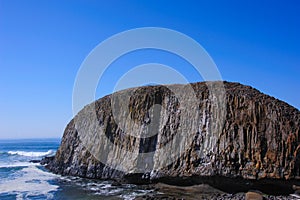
{"type": "Point", "coordinates": [258, 139]}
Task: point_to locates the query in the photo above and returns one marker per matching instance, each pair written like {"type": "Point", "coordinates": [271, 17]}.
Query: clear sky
{"type": "Point", "coordinates": [43, 43]}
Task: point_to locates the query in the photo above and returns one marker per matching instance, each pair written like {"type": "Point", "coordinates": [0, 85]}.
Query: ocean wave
{"type": "Point", "coordinates": [31, 153]}
{"type": "Point", "coordinates": [18, 164]}
{"type": "Point", "coordinates": [30, 181]}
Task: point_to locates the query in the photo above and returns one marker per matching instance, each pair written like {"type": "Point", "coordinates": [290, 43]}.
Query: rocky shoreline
{"type": "Point", "coordinates": [228, 186]}
{"type": "Point", "coordinates": [204, 191]}
{"type": "Point", "coordinates": [186, 189]}
{"type": "Point", "coordinates": [257, 147]}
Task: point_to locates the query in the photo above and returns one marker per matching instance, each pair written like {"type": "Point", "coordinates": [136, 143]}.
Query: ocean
{"type": "Point", "coordinates": [22, 179]}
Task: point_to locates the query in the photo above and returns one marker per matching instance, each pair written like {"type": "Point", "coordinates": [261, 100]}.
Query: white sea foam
{"type": "Point", "coordinates": [129, 196]}
{"type": "Point", "coordinates": [30, 181]}
{"type": "Point", "coordinates": [31, 153]}
{"type": "Point", "coordinates": [17, 164]}
{"type": "Point", "coordinates": [133, 195]}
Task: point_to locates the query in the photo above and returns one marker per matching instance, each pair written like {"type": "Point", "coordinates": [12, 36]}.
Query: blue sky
{"type": "Point", "coordinates": [43, 43]}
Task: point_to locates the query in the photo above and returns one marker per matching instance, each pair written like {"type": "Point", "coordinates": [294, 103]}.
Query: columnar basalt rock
{"type": "Point", "coordinates": [259, 139]}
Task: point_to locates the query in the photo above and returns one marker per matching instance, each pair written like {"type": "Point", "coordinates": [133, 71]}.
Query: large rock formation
{"type": "Point", "coordinates": [257, 143]}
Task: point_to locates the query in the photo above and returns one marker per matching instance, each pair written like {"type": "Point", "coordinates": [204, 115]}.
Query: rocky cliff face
{"type": "Point", "coordinates": [259, 138]}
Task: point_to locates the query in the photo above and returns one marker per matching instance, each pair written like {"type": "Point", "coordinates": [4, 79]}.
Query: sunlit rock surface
{"type": "Point", "coordinates": [252, 136]}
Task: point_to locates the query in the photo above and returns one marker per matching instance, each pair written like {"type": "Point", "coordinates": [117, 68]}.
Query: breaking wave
{"type": "Point", "coordinates": [32, 154]}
